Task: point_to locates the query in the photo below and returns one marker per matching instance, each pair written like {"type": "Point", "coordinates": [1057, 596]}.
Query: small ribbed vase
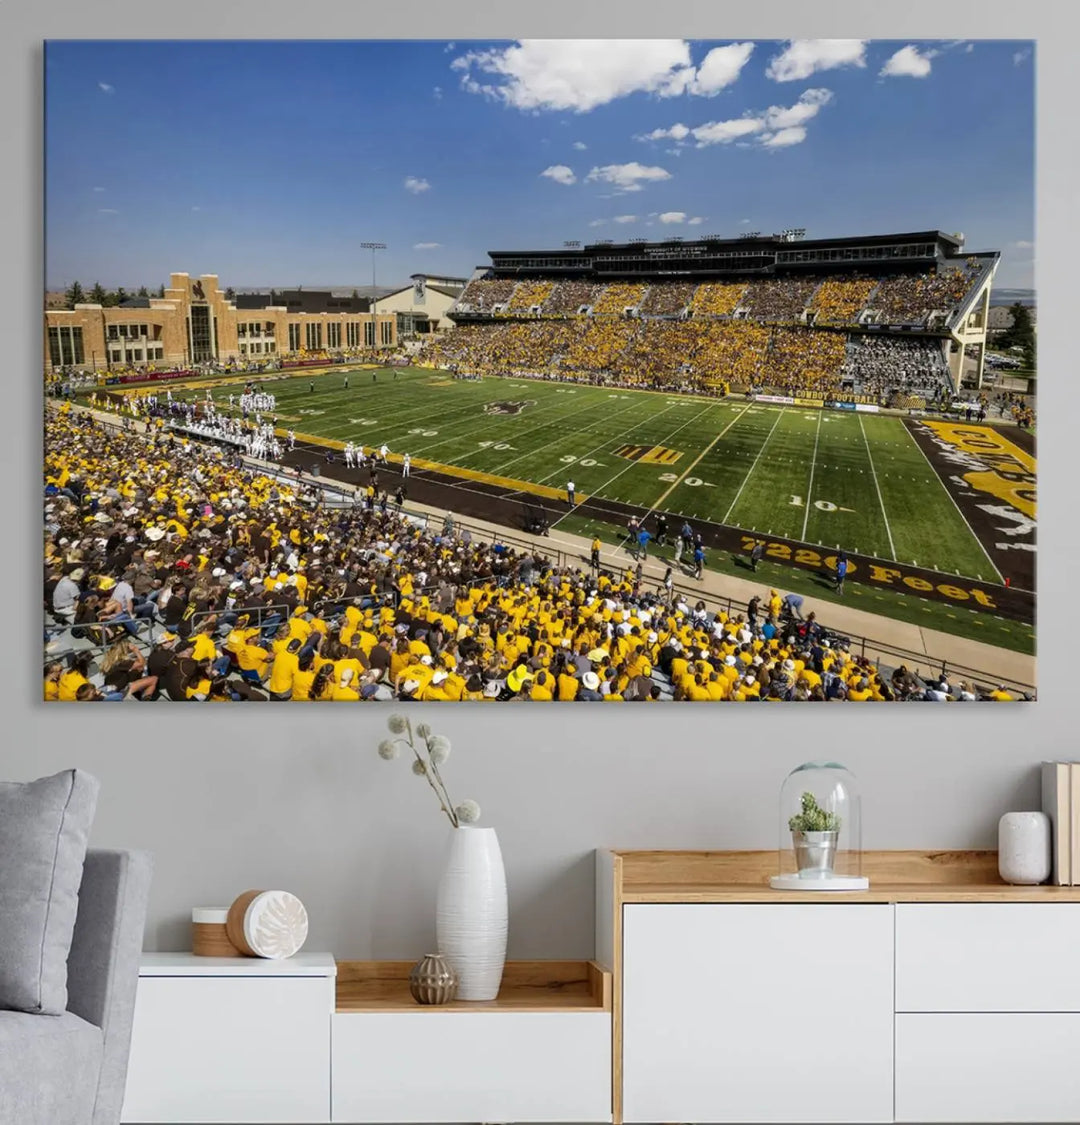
{"type": "Point", "coordinates": [470, 912]}
{"type": "Point", "coordinates": [1024, 848]}
{"type": "Point", "coordinates": [432, 981]}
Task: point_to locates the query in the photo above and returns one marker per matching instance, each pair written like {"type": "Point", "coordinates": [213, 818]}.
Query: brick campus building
{"type": "Point", "coordinates": [194, 323]}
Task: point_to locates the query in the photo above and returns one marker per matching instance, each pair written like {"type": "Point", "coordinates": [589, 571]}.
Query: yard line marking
{"type": "Point", "coordinates": [779, 415]}
{"type": "Point", "coordinates": [568, 468]}
{"type": "Point", "coordinates": [486, 422]}
{"type": "Point", "coordinates": [656, 503]}
{"type": "Point", "coordinates": [810, 486]}
{"type": "Point", "coordinates": [666, 438]}
{"type": "Point", "coordinates": [563, 421]}
{"type": "Point", "coordinates": [934, 474]}
{"type": "Point", "coordinates": [873, 473]}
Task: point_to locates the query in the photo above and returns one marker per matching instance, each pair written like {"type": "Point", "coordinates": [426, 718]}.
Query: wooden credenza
{"type": "Point", "coordinates": [939, 995]}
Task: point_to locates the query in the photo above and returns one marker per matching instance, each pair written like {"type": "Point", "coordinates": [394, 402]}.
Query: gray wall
{"type": "Point", "coordinates": [233, 798]}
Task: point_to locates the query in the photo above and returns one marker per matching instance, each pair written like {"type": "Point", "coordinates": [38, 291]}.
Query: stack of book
{"type": "Point", "coordinates": [1061, 803]}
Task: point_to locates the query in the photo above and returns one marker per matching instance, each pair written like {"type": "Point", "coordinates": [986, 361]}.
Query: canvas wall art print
{"type": "Point", "coordinates": [625, 371]}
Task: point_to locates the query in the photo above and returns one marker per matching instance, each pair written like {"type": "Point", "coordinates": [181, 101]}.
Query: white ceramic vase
{"type": "Point", "coordinates": [470, 912]}
{"type": "Point", "coordinates": [1024, 848]}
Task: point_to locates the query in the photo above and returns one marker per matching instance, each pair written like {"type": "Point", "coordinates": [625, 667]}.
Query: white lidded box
{"type": "Point", "coordinates": [209, 935]}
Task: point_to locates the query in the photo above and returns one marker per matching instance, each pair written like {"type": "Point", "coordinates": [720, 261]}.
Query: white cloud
{"type": "Point", "coordinates": [627, 177]}
{"type": "Point", "coordinates": [99, 189]}
{"type": "Point", "coordinates": [723, 132]}
{"type": "Point", "coordinates": [449, 47]}
{"type": "Point", "coordinates": [1024, 245]}
{"type": "Point", "coordinates": [776, 127]}
{"type": "Point", "coordinates": [626, 218]}
{"type": "Point", "coordinates": [416, 185]}
{"type": "Point", "coordinates": [785, 137]}
{"type": "Point", "coordinates": [908, 63]}
{"type": "Point", "coordinates": [677, 132]}
{"type": "Point", "coordinates": [575, 74]}
{"type": "Point", "coordinates": [673, 217]}
{"type": "Point", "coordinates": [969, 48]}
{"type": "Point", "coordinates": [196, 208]}
{"type": "Point", "coordinates": [696, 221]}
{"type": "Point", "coordinates": [1021, 56]}
{"type": "Point", "coordinates": [598, 222]}
{"type": "Point", "coordinates": [108, 211]}
{"type": "Point", "coordinates": [437, 92]}
{"type": "Point", "coordinates": [560, 174]}
{"type": "Point", "coordinates": [426, 245]}
{"type": "Point", "coordinates": [803, 57]}
{"type": "Point", "coordinates": [720, 68]}
{"type": "Point", "coordinates": [581, 74]}
{"type": "Point", "coordinates": [105, 87]}
{"type": "Point", "coordinates": [807, 107]}
{"type": "Point", "coordinates": [744, 222]}
{"type": "Point", "coordinates": [580, 146]}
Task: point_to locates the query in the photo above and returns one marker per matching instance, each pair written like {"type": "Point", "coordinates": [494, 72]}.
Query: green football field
{"type": "Point", "coordinates": [856, 481]}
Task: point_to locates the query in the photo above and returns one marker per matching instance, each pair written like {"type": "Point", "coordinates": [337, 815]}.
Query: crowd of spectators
{"type": "Point", "coordinates": [529, 294]}
{"type": "Point", "coordinates": [614, 299]}
{"type": "Point", "coordinates": [781, 299]}
{"type": "Point", "coordinates": [675, 354]}
{"type": "Point", "coordinates": [569, 296]}
{"type": "Point", "coordinates": [802, 361]}
{"type": "Point", "coordinates": [719, 298]}
{"type": "Point", "coordinates": [905, 299]}
{"type": "Point", "coordinates": [840, 300]}
{"type": "Point", "coordinates": [191, 579]}
{"type": "Point", "coordinates": [481, 294]}
{"type": "Point", "coordinates": [670, 299]}
{"type": "Point", "coordinates": [914, 298]}
{"type": "Point", "coordinates": [883, 365]}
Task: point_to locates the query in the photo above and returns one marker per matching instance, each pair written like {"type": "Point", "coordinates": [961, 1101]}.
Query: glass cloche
{"type": "Point", "coordinates": [820, 830]}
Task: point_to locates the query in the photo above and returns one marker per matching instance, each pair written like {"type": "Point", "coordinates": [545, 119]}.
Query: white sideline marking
{"type": "Point", "coordinates": [873, 473]}
{"type": "Point", "coordinates": [934, 473]}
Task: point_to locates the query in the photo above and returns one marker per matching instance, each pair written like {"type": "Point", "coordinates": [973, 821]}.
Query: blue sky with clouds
{"type": "Point", "coordinates": [269, 162]}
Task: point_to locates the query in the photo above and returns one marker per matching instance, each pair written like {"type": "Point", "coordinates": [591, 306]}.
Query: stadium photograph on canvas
{"type": "Point", "coordinates": [635, 371]}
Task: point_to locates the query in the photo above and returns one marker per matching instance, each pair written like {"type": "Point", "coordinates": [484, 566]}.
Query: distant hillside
{"type": "Point", "coordinates": [1011, 296]}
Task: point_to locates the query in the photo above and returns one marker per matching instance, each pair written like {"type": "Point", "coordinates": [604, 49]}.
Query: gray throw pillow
{"type": "Point", "coordinates": [44, 827]}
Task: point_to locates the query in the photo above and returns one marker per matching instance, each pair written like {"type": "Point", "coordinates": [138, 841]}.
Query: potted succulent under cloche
{"type": "Point", "coordinates": [814, 834]}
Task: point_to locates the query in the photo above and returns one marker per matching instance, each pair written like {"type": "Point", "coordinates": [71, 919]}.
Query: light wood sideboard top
{"type": "Point", "coordinates": [743, 876]}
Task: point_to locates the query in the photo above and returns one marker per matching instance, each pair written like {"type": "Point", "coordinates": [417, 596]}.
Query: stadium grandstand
{"type": "Point", "coordinates": [889, 318]}
{"type": "Point", "coordinates": [183, 571]}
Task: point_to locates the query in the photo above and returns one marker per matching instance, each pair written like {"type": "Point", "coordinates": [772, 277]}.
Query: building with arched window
{"type": "Point", "coordinates": [196, 323]}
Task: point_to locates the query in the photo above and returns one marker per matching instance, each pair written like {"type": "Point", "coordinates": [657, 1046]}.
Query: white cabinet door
{"type": "Point", "coordinates": [988, 957]}
{"type": "Point", "coordinates": [988, 1067]}
{"type": "Point", "coordinates": [455, 1066]}
{"type": "Point", "coordinates": [758, 1013]}
{"type": "Point", "coordinates": [230, 1049]}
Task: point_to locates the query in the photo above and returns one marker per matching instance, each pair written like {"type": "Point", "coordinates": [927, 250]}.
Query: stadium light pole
{"type": "Point", "coordinates": [373, 246]}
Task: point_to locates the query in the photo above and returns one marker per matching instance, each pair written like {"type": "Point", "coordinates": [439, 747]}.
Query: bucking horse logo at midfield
{"type": "Point", "coordinates": [507, 407]}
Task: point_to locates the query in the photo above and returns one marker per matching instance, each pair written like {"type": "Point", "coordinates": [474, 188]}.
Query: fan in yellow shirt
{"type": "Point", "coordinates": [283, 669]}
